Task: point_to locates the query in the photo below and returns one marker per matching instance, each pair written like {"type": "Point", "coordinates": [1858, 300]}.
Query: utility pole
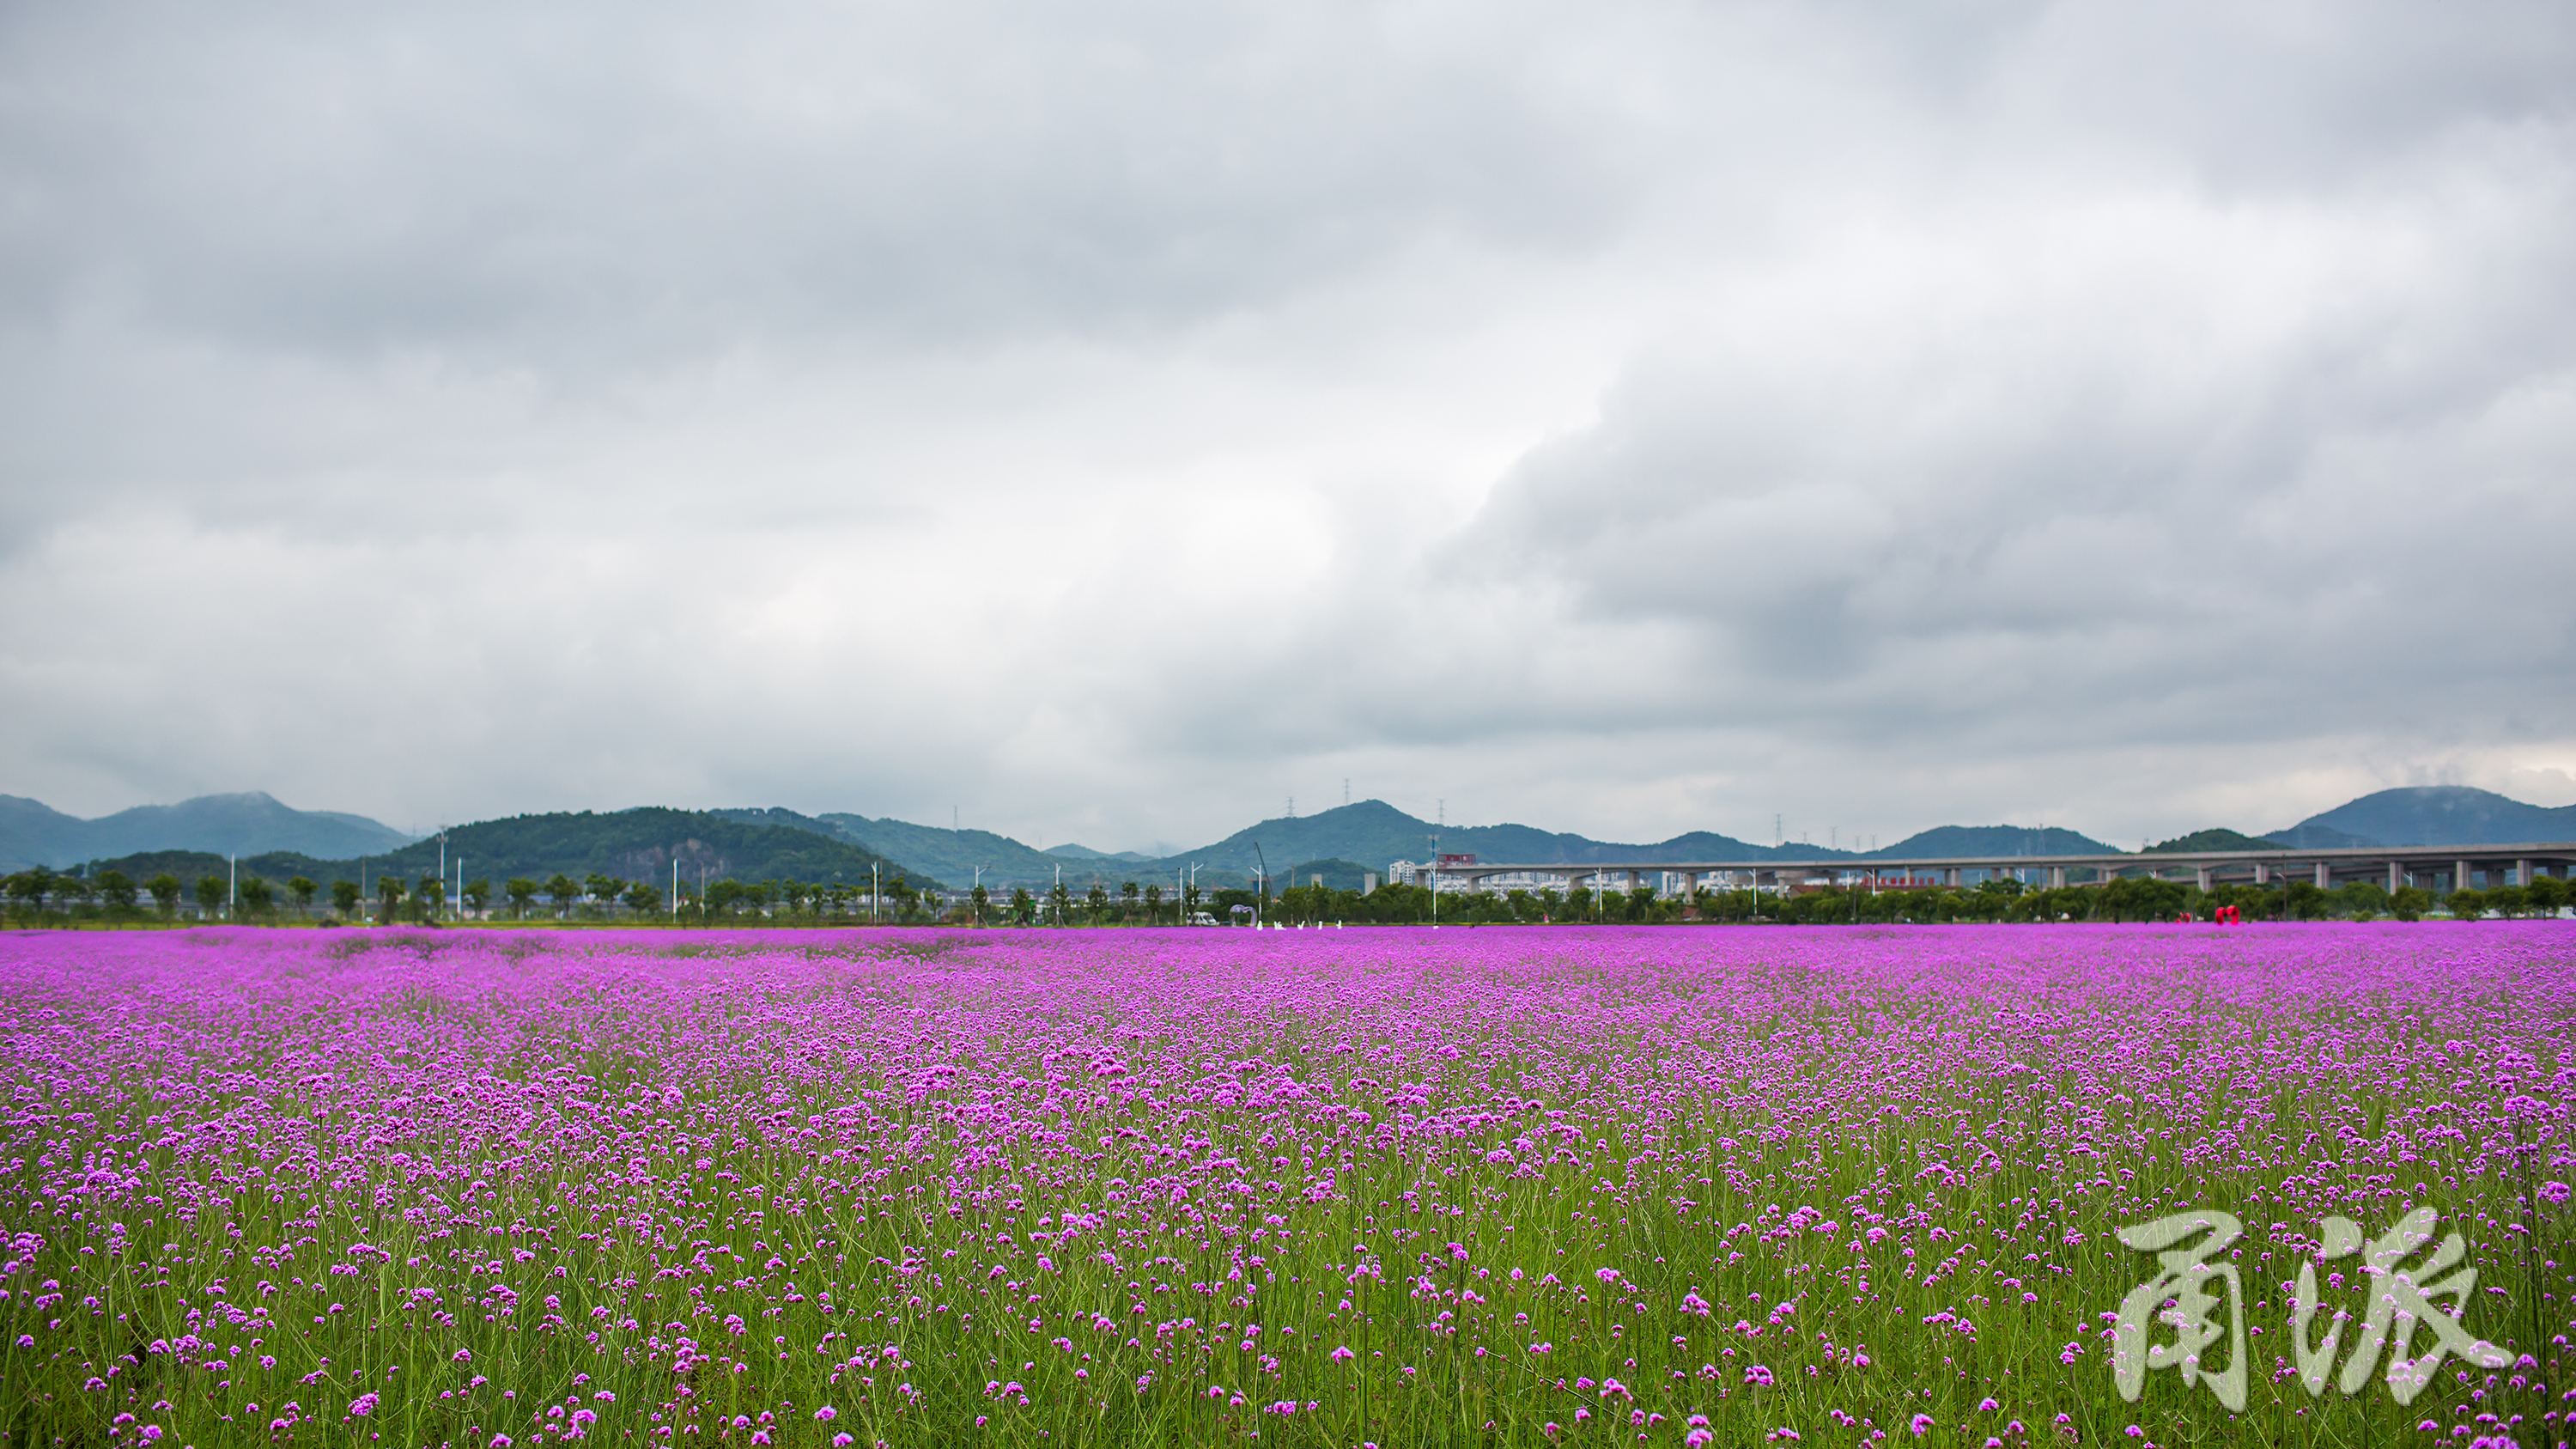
{"type": "Point", "coordinates": [232, 886]}
{"type": "Point", "coordinates": [675, 888]}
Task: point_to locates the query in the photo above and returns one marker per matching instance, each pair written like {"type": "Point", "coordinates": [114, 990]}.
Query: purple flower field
{"type": "Point", "coordinates": [1394, 1187]}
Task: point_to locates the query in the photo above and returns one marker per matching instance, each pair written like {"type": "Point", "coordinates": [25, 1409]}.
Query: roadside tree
{"type": "Point", "coordinates": [2548, 894]}
{"type": "Point", "coordinates": [117, 889]}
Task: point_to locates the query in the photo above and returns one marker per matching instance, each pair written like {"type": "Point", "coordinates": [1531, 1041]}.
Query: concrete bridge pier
{"type": "Point", "coordinates": [2396, 878]}
{"type": "Point", "coordinates": [2459, 875]}
{"type": "Point", "coordinates": [2205, 874]}
{"type": "Point", "coordinates": [2522, 873]}
{"type": "Point", "coordinates": [2057, 877]}
{"type": "Point", "coordinates": [2325, 876]}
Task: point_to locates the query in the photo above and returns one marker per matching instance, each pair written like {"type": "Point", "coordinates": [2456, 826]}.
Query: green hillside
{"type": "Point", "coordinates": [956, 854]}
{"type": "Point", "coordinates": [628, 844]}
{"type": "Point", "coordinates": [1377, 833]}
{"type": "Point", "coordinates": [2219, 838]}
{"type": "Point", "coordinates": [1339, 875]}
{"type": "Point", "coordinates": [2436, 815]}
{"type": "Point", "coordinates": [1954, 841]}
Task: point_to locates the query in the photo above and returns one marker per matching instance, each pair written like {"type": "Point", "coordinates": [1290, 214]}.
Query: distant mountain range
{"type": "Point", "coordinates": [33, 833]}
{"type": "Point", "coordinates": [764, 843]}
{"type": "Point", "coordinates": [643, 844]}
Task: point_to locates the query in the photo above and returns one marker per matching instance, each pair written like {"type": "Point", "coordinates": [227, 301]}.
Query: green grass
{"type": "Point", "coordinates": [608, 1223]}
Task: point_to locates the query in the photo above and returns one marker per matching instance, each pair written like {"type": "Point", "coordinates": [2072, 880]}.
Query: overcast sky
{"type": "Point", "coordinates": [1111, 420]}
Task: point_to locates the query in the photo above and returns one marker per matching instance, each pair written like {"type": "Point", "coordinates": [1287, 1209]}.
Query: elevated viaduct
{"type": "Point", "coordinates": [2440, 869]}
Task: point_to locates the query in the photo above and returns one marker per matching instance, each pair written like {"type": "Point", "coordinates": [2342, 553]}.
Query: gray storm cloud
{"type": "Point", "coordinates": [1113, 420]}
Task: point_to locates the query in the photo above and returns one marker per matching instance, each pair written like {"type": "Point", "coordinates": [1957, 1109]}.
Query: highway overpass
{"type": "Point", "coordinates": [2439, 869]}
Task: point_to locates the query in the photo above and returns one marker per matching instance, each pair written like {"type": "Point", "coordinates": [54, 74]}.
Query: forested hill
{"type": "Point", "coordinates": [2215, 838]}
{"type": "Point", "coordinates": [1950, 842]}
{"type": "Point", "coordinates": [956, 855]}
{"type": "Point", "coordinates": [1375, 832]}
{"type": "Point", "coordinates": [628, 844]}
{"type": "Point", "coordinates": [2435, 815]}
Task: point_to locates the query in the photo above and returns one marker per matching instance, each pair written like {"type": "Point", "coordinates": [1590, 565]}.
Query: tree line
{"type": "Point", "coordinates": [40, 894]}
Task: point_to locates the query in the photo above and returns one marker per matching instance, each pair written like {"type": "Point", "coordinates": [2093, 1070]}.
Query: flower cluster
{"type": "Point", "coordinates": [1673, 1186]}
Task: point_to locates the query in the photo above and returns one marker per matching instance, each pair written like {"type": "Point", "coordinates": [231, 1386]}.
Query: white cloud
{"type": "Point", "coordinates": [1112, 421]}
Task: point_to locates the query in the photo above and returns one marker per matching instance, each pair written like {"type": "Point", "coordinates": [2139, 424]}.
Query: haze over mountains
{"type": "Point", "coordinates": [1368, 833]}
{"type": "Point", "coordinates": [32, 832]}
